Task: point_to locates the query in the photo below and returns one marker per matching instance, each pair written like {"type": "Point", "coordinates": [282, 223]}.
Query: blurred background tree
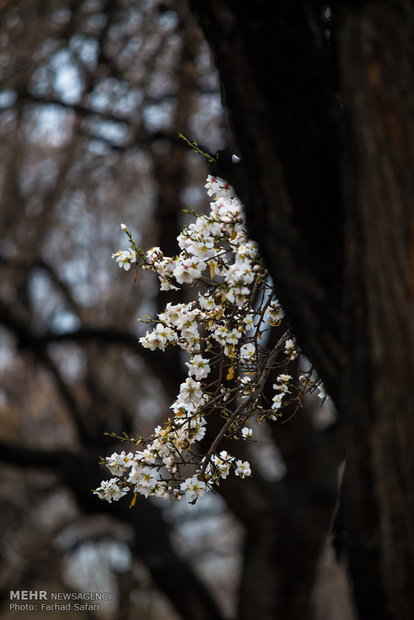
{"type": "Point", "coordinates": [93, 95]}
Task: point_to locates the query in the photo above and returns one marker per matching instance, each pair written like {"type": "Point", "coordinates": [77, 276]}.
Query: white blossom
{"type": "Point", "coordinates": [290, 348]}
{"type": "Point", "coordinates": [125, 258]}
{"type": "Point", "coordinates": [322, 393]}
{"type": "Point", "coordinates": [110, 490]}
{"type": "Point", "coordinates": [193, 488]}
{"type": "Point", "coordinates": [222, 463]}
{"type": "Point", "coordinates": [242, 469]}
{"type": "Point", "coordinates": [118, 463]}
{"type": "Point", "coordinates": [246, 432]}
{"type": "Point", "coordinates": [198, 367]}
{"type": "Point", "coordinates": [247, 351]}
{"type": "Point", "coordinates": [219, 330]}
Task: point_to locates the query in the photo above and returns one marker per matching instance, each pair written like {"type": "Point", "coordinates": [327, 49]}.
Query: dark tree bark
{"type": "Point", "coordinates": [278, 85]}
{"type": "Point", "coordinates": [281, 516]}
{"type": "Point", "coordinates": [332, 210]}
{"type": "Point", "coordinates": [378, 75]}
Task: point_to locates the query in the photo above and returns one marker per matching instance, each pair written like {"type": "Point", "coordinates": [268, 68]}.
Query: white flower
{"type": "Point", "coordinates": [148, 477]}
{"type": "Point", "coordinates": [188, 318]}
{"type": "Point", "coordinates": [290, 349]}
{"type": "Point", "coordinates": [125, 258]}
{"type": "Point", "coordinates": [135, 474]}
{"type": "Point", "coordinates": [160, 337]}
{"type": "Point", "coordinates": [222, 463]}
{"type": "Point", "coordinates": [206, 302]}
{"type": "Point", "coordinates": [218, 187]}
{"type": "Point", "coordinates": [243, 469]}
{"type": "Point", "coordinates": [247, 251]}
{"type": "Point", "coordinates": [154, 255]}
{"type": "Point", "coordinates": [172, 313]}
{"type": "Point", "coordinates": [203, 249]}
{"type": "Point", "coordinates": [233, 337]}
{"type": "Point", "coordinates": [149, 342]}
{"type": "Point", "coordinates": [284, 378]}
{"type": "Point", "coordinates": [198, 367]}
{"type": "Point", "coordinates": [197, 428]}
{"type": "Point", "coordinates": [167, 285]}
{"type": "Point", "coordinates": [188, 269]}
{"type": "Point", "coordinates": [247, 351]}
{"type": "Point", "coordinates": [248, 321]}
{"type": "Point", "coordinates": [238, 295]}
{"type": "Point", "coordinates": [191, 394]}
{"type": "Point", "coordinates": [246, 432]}
{"type": "Point", "coordinates": [164, 267]}
{"type": "Point", "coordinates": [322, 393]}
{"type": "Point", "coordinates": [161, 490]}
{"type": "Point", "coordinates": [193, 488]}
{"type": "Point", "coordinates": [146, 456]}
{"type": "Point", "coordinates": [277, 400]}
{"type": "Point", "coordinates": [240, 274]}
{"type": "Point", "coordinates": [189, 331]}
{"type": "Point", "coordinates": [227, 211]}
{"type": "Point", "coordinates": [282, 383]}
{"type": "Point", "coordinates": [110, 490]}
{"type": "Point", "coordinates": [206, 228]}
{"type": "Point", "coordinates": [117, 463]}
{"type": "Point", "coordinates": [219, 333]}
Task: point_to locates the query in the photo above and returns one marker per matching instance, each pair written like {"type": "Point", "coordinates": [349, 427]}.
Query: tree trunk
{"type": "Point", "coordinates": [278, 85]}
{"type": "Point", "coordinates": [377, 59]}
{"type": "Point", "coordinates": [342, 264]}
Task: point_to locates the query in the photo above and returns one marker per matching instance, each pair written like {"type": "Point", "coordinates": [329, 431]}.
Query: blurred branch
{"type": "Point", "coordinates": [79, 109]}
{"type": "Point", "coordinates": [170, 375]}
{"type": "Point", "coordinates": [16, 454]}
{"type": "Point", "coordinates": [152, 533]}
{"type": "Point", "coordinates": [27, 340]}
{"type": "Point", "coordinates": [60, 285]}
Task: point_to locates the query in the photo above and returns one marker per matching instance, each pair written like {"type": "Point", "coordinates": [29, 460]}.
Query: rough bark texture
{"type": "Point", "coordinates": [342, 262]}
{"type": "Point", "coordinates": [278, 85]}
{"type": "Point", "coordinates": [281, 517]}
{"type": "Point", "coordinates": [378, 68]}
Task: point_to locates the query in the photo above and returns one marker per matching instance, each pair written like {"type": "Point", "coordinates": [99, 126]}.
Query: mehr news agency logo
{"type": "Point", "coordinates": [41, 600]}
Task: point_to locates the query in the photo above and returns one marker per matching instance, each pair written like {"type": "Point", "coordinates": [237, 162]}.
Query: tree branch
{"type": "Point", "coordinates": [152, 533]}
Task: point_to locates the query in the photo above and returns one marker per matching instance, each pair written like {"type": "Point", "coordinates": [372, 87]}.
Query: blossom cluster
{"type": "Point", "coordinates": [225, 332]}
